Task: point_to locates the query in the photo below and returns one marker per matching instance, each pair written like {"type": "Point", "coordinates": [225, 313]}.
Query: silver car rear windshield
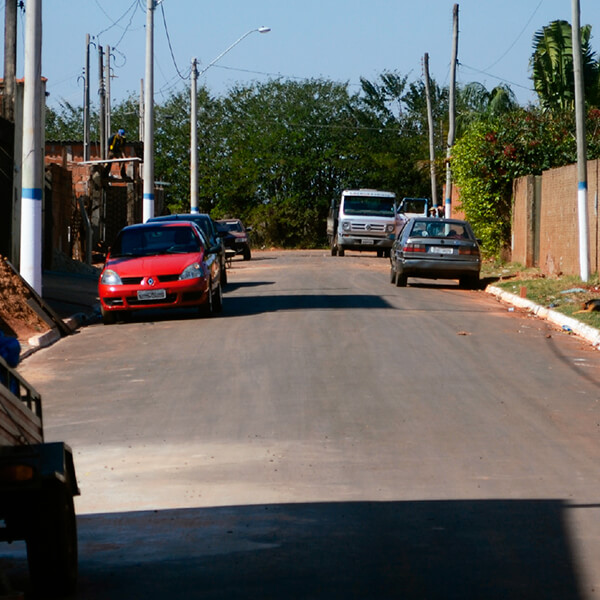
{"type": "Point", "coordinates": [440, 229]}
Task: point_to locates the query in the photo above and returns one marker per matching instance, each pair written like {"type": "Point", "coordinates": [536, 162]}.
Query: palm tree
{"type": "Point", "coordinates": [552, 66]}
{"type": "Point", "coordinates": [475, 102]}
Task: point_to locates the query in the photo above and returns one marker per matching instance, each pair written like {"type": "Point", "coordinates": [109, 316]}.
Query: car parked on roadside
{"type": "Point", "coordinates": [235, 236]}
{"type": "Point", "coordinates": [159, 265]}
{"type": "Point", "coordinates": [209, 228]}
{"type": "Point", "coordinates": [434, 248]}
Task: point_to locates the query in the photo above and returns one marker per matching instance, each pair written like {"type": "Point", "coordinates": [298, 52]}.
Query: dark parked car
{"type": "Point", "coordinates": [435, 248]}
{"type": "Point", "coordinates": [235, 236]}
{"type": "Point", "coordinates": [159, 265]}
{"type": "Point", "coordinates": [209, 228]}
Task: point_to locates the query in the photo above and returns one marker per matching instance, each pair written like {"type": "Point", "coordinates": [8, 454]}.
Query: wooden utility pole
{"type": "Point", "coordinates": [141, 115]}
{"type": "Point", "coordinates": [10, 59]}
{"type": "Point", "coordinates": [451, 113]}
{"type": "Point", "coordinates": [584, 258]}
{"type": "Point", "coordinates": [108, 128]}
{"type": "Point", "coordinates": [431, 136]}
{"type": "Point", "coordinates": [102, 93]}
{"type": "Point", "coordinates": [86, 101]}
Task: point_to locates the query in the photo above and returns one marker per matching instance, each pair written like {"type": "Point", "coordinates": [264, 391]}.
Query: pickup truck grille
{"type": "Point", "coordinates": [368, 227]}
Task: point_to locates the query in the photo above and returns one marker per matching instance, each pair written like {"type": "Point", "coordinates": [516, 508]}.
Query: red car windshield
{"type": "Point", "coordinates": [153, 241]}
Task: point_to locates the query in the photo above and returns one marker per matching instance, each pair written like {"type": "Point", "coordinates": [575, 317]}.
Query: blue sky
{"type": "Point", "coordinates": [340, 40]}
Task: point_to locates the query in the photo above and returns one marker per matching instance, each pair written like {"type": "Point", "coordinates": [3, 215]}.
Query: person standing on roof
{"type": "Point", "coordinates": [116, 145]}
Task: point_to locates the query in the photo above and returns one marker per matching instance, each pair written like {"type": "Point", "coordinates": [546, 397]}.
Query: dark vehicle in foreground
{"type": "Point", "coordinates": [434, 248]}
{"type": "Point", "coordinates": [209, 228]}
{"type": "Point", "coordinates": [159, 265]}
{"type": "Point", "coordinates": [235, 236]}
{"type": "Point", "coordinates": [37, 485]}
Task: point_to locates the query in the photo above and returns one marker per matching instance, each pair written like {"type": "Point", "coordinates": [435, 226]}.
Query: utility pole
{"type": "Point", "coordinates": [32, 159]}
{"type": "Point", "coordinates": [584, 259]}
{"type": "Point", "coordinates": [10, 59]}
{"type": "Point", "coordinates": [451, 113]}
{"type": "Point", "coordinates": [194, 139]}
{"type": "Point", "coordinates": [194, 115]}
{"type": "Point", "coordinates": [102, 93]}
{"type": "Point", "coordinates": [141, 113]}
{"type": "Point", "coordinates": [148, 170]}
{"type": "Point", "coordinates": [108, 130]}
{"type": "Point", "coordinates": [431, 135]}
{"type": "Point", "coordinates": [86, 101]}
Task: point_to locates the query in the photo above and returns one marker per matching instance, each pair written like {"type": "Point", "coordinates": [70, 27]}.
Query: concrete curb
{"type": "Point", "coordinates": [569, 324]}
{"type": "Point", "coordinates": [43, 340]}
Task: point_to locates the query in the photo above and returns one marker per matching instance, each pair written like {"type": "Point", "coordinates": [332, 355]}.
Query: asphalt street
{"type": "Point", "coordinates": [329, 436]}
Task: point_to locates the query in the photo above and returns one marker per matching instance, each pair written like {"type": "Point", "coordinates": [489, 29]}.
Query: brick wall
{"type": "Point", "coordinates": [545, 226]}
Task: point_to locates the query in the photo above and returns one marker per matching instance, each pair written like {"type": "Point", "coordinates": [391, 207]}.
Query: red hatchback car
{"type": "Point", "coordinates": [159, 265]}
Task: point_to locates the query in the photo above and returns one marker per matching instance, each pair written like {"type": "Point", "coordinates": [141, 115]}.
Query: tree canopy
{"type": "Point", "coordinates": [276, 153]}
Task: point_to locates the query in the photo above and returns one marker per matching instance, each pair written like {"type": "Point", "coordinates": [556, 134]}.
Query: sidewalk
{"type": "Point", "coordinates": [568, 324]}
{"type": "Point", "coordinates": [74, 299]}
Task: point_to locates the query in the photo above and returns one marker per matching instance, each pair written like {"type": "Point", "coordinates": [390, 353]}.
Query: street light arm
{"type": "Point", "coordinates": [210, 64]}
{"type": "Point", "coordinates": [193, 117]}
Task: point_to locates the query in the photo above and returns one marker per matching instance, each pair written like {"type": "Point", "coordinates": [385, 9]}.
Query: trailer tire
{"type": "Point", "coordinates": [52, 543]}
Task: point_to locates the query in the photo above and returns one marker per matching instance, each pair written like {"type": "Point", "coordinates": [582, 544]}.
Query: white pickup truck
{"type": "Point", "coordinates": [363, 219]}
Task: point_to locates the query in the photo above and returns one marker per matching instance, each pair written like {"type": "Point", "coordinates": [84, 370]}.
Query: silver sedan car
{"type": "Point", "coordinates": [434, 248]}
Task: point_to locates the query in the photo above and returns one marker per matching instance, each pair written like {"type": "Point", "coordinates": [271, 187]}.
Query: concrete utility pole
{"type": "Point", "coordinates": [584, 258]}
{"type": "Point", "coordinates": [32, 160]}
{"type": "Point", "coordinates": [194, 115]}
{"type": "Point", "coordinates": [194, 138]}
{"type": "Point", "coordinates": [148, 170]}
{"type": "Point", "coordinates": [10, 59]}
{"type": "Point", "coordinates": [431, 135]}
{"type": "Point", "coordinates": [451, 113]}
{"type": "Point", "coordinates": [86, 101]}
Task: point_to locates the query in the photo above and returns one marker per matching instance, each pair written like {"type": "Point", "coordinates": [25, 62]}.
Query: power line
{"type": "Point", "coordinates": [524, 87]}
{"type": "Point", "coordinates": [518, 36]}
{"type": "Point", "coordinates": [116, 23]}
{"type": "Point", "coordinates": [170, 46]}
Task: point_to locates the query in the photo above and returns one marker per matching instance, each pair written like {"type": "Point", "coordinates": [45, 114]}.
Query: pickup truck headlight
{"type": "Point", "coordinates": [346, 225]}
{"type": "Point", "coordinates": [390, 228]}
{"type": "Point", "coordinates": [192, 272]}
{"type": "Point", "coordinates": [110, 277]}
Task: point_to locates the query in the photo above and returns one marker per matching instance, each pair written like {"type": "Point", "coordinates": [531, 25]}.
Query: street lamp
{"type": "Point", "coordinates": [194, 115]}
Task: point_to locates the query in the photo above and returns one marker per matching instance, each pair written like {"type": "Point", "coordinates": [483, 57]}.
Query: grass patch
{"type": "Point", "coordinates": [565, 294]}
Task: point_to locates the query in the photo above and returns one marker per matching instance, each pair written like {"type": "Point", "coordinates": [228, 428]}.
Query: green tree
{"type": "Point", "coordinates": [66, 123]}
{"type": "Point", "coordinates": [487, 159]}
{"type": "Point", "coordinates": [552, 66]}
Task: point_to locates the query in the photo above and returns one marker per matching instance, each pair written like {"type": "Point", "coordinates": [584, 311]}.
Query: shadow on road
{"type": "Point", "coordinates": [494, 549]}
{"type": "Point", "coordinates": [252, 305]}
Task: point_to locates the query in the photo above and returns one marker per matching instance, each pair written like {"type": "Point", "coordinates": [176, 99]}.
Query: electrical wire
{"type": "Point", "coordinates": [116, 23]}
{"type": "Point", "coordinates": [518, 36]}
{"type": "Point", "coordinates": [524, 87]}
{"type": "Point", "coordinates": [162, 10]}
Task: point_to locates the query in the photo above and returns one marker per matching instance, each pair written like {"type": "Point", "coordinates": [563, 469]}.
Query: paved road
{"type": "Point", "coordinates": [330, 436]}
